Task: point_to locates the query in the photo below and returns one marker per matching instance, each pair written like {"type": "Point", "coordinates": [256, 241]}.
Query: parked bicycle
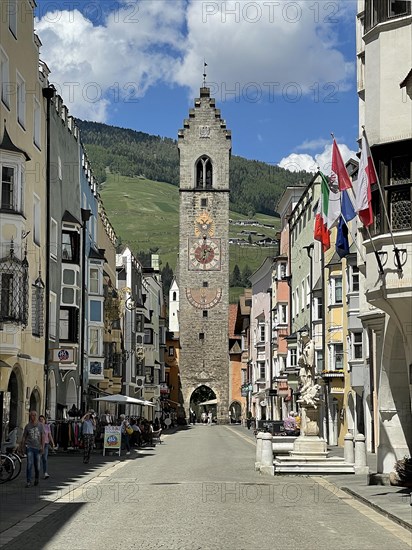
{"type": "Point", "coordinates": [8, 453]}
{"type": "Point", "coordinates": [6, 468]}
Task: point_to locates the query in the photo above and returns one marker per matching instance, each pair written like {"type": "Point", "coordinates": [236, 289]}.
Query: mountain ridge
{"type": "Point", "coordinates": [255, 186]}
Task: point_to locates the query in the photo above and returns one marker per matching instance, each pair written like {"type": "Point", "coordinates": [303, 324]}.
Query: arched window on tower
{"type": "Point", "coordinates": [174, 297]}
{"type": "Point", "coordinates": [204, 173]}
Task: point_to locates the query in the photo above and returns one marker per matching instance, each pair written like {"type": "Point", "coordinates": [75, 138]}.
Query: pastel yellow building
{"type": "Point", "coordinates": [22, 209]}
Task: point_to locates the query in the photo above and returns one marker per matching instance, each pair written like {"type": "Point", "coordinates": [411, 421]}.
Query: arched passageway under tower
{"type": "Point", "coordinates": [202, 401]}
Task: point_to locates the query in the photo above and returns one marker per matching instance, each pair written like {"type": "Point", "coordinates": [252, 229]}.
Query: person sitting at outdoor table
{"type": "Point", "coordinates": [135, 438]}
{"type": "Point", "coordinates": [147, 432]}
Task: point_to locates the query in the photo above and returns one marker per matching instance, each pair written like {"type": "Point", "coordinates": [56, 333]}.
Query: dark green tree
{"type": "Point", "coordinates": [235, 278]}
{"type": "Point", "coordinates": [167, 277]}
{"type": "Point", "coordinates": [246, 273]}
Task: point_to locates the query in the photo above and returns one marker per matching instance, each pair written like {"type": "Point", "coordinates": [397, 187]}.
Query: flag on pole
{"type": "Point", "coordinates": [339, 168]}
{"type": "Point", "coordinates": [321, 232]}
{"type": "Point", "coordinates": [366, 178]}
{"type": "Point", "coordinates": [347, 214]}
{"type": "Point", "coordinates": [334, 209]}
{"type": "Point", "coordinates": [342, 240]}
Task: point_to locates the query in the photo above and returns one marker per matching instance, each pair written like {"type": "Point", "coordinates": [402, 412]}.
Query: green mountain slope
{"type": "Point", "coordinates": [145, 215]}
{"type": "Point", "coordinates": [254, 186]}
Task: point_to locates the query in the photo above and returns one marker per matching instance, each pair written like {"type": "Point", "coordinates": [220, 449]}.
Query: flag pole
{"type": "Point", "coordinates": [395, 248]}
{"type": "Point", "coordinates": [377, 256]}
{"type": "Point", "coordinates": [353, 239]}
{"type": "Point", "coordinates": [343, 217]}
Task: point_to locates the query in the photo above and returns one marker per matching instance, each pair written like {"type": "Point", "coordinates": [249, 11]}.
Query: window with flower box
{"type": "Point", "coordinates": [336, 356]}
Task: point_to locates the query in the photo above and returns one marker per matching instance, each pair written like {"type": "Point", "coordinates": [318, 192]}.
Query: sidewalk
{"type": "Point", "coordinates": [393, 502]}
{"type": "Point", "coordinates": [67, 473]}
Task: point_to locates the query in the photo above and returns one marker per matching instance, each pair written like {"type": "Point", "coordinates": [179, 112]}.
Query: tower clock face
{"type": "Point", "coordinates": [204, 254]}
{"type": "Point", "coordinates": [204, 298]}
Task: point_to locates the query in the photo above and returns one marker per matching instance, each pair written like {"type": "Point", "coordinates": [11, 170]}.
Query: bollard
{"type": "Point", "coordinates": [266, 463]}
{"type": "Point", "coordinates": [258, 450]}
{"type": "Point", "coordinates": [360, 455]}
{"type": "Point", "coordinates": [348, 449]}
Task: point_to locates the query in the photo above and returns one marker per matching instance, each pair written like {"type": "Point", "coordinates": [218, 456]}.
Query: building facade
{"type": "Point", "coordinates": [384, 34]}
{"type": "Point", "coordinates": [64, 263]}
{"type": "Point", "coordinates": [22, 207]}
{"type": "Point", "coordinates": [204, 145]}
{"type": "Point", "coordinates": [260, 342]}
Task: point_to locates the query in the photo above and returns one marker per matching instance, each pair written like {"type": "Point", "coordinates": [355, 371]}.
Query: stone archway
{"type": "Point", "coordinates": [394, 402]}
{"type": "Point", "coordinates": [202, 394]}
{"type": "Point", "coordinates": [51, 395]}
{"type": "Point", "coordinates": [235, 412]}
{"type": "Point", "coordinates": [71, 395]}
{"type": "Point", "coordinates": [15, 390]}
{"type": "Point", "coordinates": [35, 400]}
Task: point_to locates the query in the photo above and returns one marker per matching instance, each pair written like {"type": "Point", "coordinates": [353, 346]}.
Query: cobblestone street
{"type": "Point", "coordinates": [198, 490]}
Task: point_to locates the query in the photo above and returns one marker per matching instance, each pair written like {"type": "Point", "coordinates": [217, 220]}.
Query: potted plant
{"type": "Point", "coordinates": [402, 476]}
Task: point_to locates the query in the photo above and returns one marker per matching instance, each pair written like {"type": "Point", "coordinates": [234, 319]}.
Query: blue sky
{"type": "Point", "coordinates": [282, 72]}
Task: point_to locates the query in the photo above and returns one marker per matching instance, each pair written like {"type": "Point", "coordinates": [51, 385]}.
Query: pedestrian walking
{"type": "Point", "coordinates": [209, 418]}
{"type": "Point", "coordinates": [88, 427]}
{"type": "Point", "coordinates": [125, 428]}
{"type": "Point", "coordinates": [48, 440]}
{"type": "Point", "coordinates": [33, 440]}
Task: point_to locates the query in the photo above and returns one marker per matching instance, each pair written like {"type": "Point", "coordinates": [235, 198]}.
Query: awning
{"type": "Point", "coordinates": [123, 400]}
{"type": "Point", "coordinates": [210, 402]}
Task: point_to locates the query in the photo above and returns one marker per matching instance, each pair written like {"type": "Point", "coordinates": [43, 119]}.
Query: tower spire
{"type": "Point", "coordinates": [204, 73]}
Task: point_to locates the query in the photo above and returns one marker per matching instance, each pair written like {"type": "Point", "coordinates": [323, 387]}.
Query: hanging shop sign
{"type": "Point", "coordinates": [164, 389]}
{"type": "Point", "coordinates": [283, 388]}
{"type": "Point", "coordinates": [112, 439]}
{"type": "Point", "coordinates": [63, 355]}
{"type": "Point", "coordinates": [66, 357]}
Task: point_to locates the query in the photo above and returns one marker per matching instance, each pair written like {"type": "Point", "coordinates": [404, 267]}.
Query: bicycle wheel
{"type": "Point", "coordinates": [17, 465]}
{"type": "Point", "coordinates": [6, 468]}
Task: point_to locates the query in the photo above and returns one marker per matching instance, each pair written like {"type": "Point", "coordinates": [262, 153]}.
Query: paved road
{"type": "Point", "coordinates": [199, 490]}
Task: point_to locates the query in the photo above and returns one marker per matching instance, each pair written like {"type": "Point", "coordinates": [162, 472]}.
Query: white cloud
{"type": "Point", "coordinates": [255, 48]}
{"type": "Point", "coordinates": [95, 65]}
{"type": "Point", "coordinates": [296, 162]}
{"type": "Point", "coordinates": [252, 49]}
{"type": "Point", "coordinates": [312, 144]}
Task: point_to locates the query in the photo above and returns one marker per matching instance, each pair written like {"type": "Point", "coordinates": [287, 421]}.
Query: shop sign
{"type": "Point", "coordinates": [112, 438]}
{"type": "Point", "coordinates": [63, 355]}
{"type": "Point", "coordinates": [164, 389]}
{"type": "Point", "coordinates": [283, 388]}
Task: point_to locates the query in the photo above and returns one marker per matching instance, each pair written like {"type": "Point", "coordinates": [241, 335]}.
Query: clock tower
{"type": "Point", "coordinates": [204, 146]}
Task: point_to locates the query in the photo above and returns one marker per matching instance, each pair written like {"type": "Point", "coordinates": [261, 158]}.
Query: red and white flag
{"type": "Point", "coordinates": [366, 178]}
{"type": "Point", "coordinates": [321, 231]}
{"type": "Point", "coordinates": [339, 168]}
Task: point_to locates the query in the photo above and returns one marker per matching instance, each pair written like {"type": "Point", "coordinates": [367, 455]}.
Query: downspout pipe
{"type": "Point", "coordinates": [48, 94]}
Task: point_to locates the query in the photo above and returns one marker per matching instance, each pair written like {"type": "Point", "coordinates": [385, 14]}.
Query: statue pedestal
{"type": "Point", "coordinates": [309, 443]}
{"type": "Point", "coordinates": [310, 453]}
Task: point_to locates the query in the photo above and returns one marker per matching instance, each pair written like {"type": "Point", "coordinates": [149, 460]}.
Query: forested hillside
{"type": "Point", "coordinates": [254, 186]}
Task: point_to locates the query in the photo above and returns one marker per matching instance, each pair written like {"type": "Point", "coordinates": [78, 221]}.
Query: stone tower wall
{"type": "Point", "coordinates": [204, 360]}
